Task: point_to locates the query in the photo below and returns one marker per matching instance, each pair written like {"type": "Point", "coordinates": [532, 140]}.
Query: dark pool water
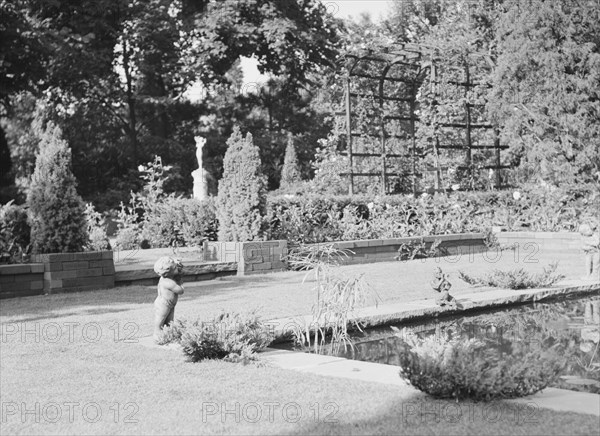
{"type": "Point", "coordinates": [569, 327]}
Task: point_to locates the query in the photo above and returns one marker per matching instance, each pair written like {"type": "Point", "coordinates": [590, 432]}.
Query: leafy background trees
{"type": "Point", "coordinates": [546, 91]}
{"type": "Point", "coordinates": [113, 75]}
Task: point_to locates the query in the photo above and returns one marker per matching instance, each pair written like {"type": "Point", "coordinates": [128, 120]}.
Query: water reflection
{"type": "Point", "coordinates": [569, 328]}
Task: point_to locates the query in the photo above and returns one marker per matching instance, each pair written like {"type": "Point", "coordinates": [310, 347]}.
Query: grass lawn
{"type": "Point", "coordinates": [79, 355]}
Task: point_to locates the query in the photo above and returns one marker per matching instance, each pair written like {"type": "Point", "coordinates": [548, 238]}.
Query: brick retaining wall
{"type": "Point", "coordinates": [385, 250]}
{"type": "Point", "coordinates": [251, 257]}
{"type": "Point", "coordinates": [191, 273]}
{"type": "Point", "coordinates": [21, 280]}
{"type": "Point", "coordinates": [74, 272]}
{"type": "Point", "coordinates": [266, 256]}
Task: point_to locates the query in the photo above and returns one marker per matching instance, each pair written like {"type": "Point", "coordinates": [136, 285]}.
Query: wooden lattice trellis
{"type": "Point", "coordinates": [416, 65]}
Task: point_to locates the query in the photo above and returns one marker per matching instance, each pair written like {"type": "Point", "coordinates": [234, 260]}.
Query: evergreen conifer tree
{"type": "Point", "coordinates": [241, 200]}
{"type": "Point", "coordinates": [290, 174]}
{"type": "Point", "coordinates": [58, 223]}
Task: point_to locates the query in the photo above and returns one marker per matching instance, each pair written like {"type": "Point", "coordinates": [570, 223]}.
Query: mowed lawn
{"type": "Point", "coordinates": [73, 362]}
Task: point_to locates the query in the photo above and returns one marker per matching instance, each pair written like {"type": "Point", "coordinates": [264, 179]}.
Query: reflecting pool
{"type": "Point", "coordinates": [570, 328]}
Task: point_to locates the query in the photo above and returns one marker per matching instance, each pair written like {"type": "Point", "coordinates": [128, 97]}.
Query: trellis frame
{"type": "Point", "coordinates": [410, 56]}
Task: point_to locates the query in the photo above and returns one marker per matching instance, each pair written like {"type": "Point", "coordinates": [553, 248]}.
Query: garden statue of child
{"type": "Point", "coordinates": [441, 284]}
{"type": "Point", "coordinates": [169, 289]}
{"type": "Point", "coordinates": [591, 248]}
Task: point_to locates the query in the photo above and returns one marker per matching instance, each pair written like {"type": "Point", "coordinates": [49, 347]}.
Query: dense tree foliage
{"type": "Point", "coordinates": [115, 74]}
{"type": "Point", "coordinates": [546, 91]}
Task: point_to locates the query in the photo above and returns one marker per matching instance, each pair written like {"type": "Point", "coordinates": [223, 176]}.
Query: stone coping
{"type": "Point", "coordinates": [562, 400]}
{"type": "Point", "coordinates": [394, 313]}
{"type": "Point", "coordinates": [131, 275]}
{"type": "Point", "coordinates": [466, 237]}
{"type": "Point", "coordinates": [331, 366]}
{"type": "Point", "coordinates": [21, 268]}
{"type": "Point", "coordinates": [539, 235]}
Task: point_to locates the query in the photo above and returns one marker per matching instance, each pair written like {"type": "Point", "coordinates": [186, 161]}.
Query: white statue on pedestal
{"type": "Point", "coordinates": [200, 176]}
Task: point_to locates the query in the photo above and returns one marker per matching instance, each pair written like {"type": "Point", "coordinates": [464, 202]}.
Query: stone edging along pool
{"type": "Point", "coordinates": [426, 309]}
{"type": "Point", "coordinates": [333, 366]}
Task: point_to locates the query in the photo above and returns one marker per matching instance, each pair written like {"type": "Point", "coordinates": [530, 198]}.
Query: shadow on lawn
{"type": "Point", "coordinates": [420, 414]}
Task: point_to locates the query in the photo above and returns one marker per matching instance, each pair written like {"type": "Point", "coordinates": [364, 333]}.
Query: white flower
{"type": "Point", "coordinates": [455, 187]}
{"type": "Point", "coordinates": [424, 195]}
{"type": "Point", "coordinates": [456, 206]}
{"type": "Point", "coordinates": [289, 195]}
{"type": "Point", "coordinates": [141, 168]}
{"type": "Point", "coordinates": [516, 195]}
{"type": "Point", "coordinates": [387, 206]}
{"type": "Point", "coordinates": [370, 205]}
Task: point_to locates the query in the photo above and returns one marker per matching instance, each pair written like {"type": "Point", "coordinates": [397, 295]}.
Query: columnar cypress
{"type": "Point", "coordinates": [57, 211]}
{"type": "Point", "coordinates": [241, 200]}
{"type": "Point", "coordinates": [290, 174]}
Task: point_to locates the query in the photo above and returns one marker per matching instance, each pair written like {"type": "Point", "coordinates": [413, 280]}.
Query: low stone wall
{"type": "Point", "coordinates": [385, 250]}
{"type": "Point", "coordinates": [191, 273]}
{"type": "Point", "coordinates": [74, 272]}
{"type": "Point", "coordinates": [541, 241]}
{"type": "Point", "coordinates": [251, 257]}
{"type": "Point", "coordinates": [267, 256]}
{"type": "Point", "coordinates": [21, 280]}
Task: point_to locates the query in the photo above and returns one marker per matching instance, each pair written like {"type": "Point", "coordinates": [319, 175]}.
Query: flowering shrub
{"type": "Point", "coordinates": [159, 220]}
{"type": "Point", "coordinates": [96, 228]}
{"type": "Point", "coordinates": [329, 167]}
{"type": "Point", "coordinates": [318, 218]}
{"type": "Point", "coordinates": [181, 222]}
{"type": "Point", "coordinates": [14, 233]}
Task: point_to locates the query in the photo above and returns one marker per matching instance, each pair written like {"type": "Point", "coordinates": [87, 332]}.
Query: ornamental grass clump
{"type": "Point", "coordinates": [337, 297]}
{"type": "Point", "coordinates": [57, 212]}
{"type": "Point", "coordinates": [461, 368]}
